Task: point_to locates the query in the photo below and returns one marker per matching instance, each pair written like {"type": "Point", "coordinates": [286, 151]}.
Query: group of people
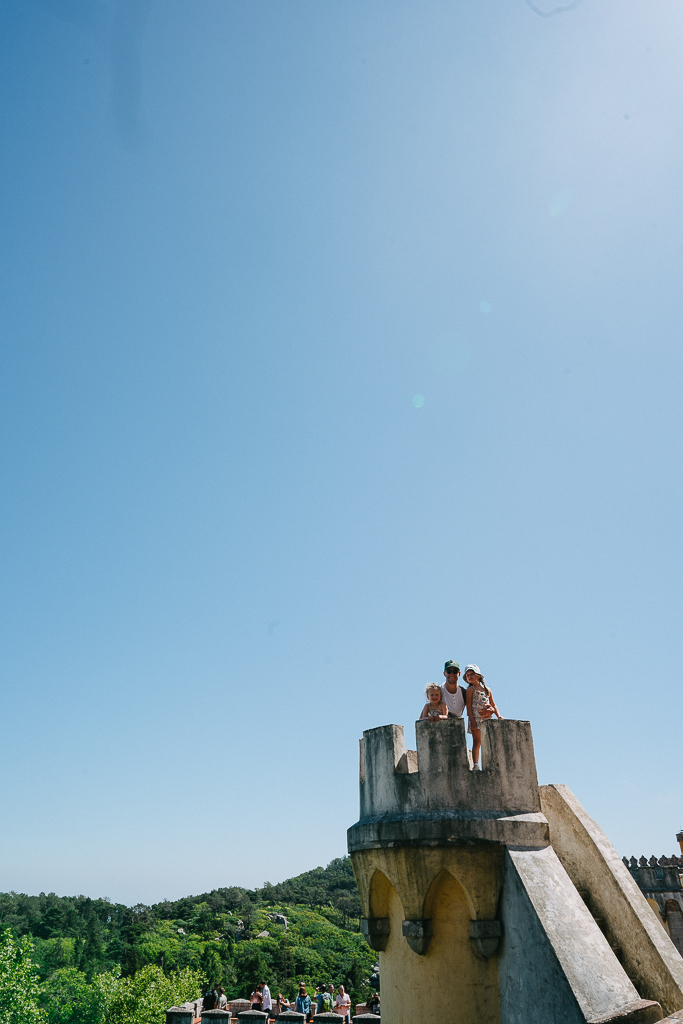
{"type": "Point", "coordinates": [450, 700]}
{"type": "Point", "coordinates": [325, 1001]}
{"type": "Point", "coordinates": [215, 999]}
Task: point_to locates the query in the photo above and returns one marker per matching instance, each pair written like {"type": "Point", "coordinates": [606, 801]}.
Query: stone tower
{"type": "Point", "coordinates": [491, 901]}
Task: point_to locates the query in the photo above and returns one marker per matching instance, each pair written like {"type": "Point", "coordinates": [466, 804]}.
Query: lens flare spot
{"type": "Point", "coordinates": [418, 401]}
{"type": "Point", "coordinates": [485, 306]}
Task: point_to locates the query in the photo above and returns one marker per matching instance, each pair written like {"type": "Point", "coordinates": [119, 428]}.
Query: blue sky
{"type": "Point", "coordinates": [338, 339]}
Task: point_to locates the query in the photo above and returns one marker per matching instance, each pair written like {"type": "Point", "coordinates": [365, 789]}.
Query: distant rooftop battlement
{"type": "Point", "coordinates": [432, 795]}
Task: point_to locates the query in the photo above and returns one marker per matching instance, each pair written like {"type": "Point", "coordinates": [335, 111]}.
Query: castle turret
{"type": "Point", "coordinates": [474, 916]}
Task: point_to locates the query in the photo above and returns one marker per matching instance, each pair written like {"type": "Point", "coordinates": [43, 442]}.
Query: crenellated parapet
{"type": "Point", "coordinates": [432, 795]}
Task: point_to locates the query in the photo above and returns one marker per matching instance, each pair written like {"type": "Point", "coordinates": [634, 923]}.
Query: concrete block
{"type": "Point", "coordinates": [555, 962]}
{"type": "Point", "coordinates": [649, 957]}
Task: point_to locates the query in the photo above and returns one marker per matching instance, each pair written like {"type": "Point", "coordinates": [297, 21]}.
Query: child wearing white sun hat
{"type": "Point", "coordinates": [480, 707]}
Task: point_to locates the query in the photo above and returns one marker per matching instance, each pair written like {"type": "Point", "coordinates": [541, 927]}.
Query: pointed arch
{"type": "Point", "coordinates": [445, 881]}
{"type": "Point", "coordinates": [381, 892]}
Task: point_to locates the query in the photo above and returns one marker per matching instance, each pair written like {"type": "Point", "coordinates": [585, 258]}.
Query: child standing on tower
{"type": "Point", "coordinates": [480, 707]}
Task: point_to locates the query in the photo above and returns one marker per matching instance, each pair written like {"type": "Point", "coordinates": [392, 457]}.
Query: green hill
{"type": "Point", "coordinates": [218, 935]}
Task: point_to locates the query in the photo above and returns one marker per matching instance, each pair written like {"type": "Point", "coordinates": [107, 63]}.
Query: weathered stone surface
{"type": "Point", "coordinates": [237, 1006]}
{"type": "Point", "coordinates": [418, 933]}
{"type": "Point", "coordinates": [291, 1015]}
{"type": "Point", "coordinates": [217, 1015]}
{"type": "Point", "coordinates": [555, 963]}
{"type": "Point", "coordinates": [439, 885]}
{"type": "Point", "coordinates": [486, 935]}
{"type": "Point", "coordinates": [414, 871]}
{"type": "Point", "coordinates": [643, 1011]}
{"type": "Point", "coordinates": [448, 828]}
{"type": "Point", "coordinates": [375, 931]}
{"type": "Point", "coordinates": [178, 1015]}
{"type": "Point", "coordinates": [592, 863]}
{"type": "Point", "coordinates": [443, 780]}
{"type": "Point", "coordinates": [434, 799]}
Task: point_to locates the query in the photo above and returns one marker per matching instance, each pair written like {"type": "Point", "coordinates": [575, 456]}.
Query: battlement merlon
{"type": "Point", "coordinates": [432, 795]}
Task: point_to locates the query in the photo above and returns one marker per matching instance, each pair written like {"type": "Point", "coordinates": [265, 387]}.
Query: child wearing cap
{"type": "Point", "coordinates": [435, 709]}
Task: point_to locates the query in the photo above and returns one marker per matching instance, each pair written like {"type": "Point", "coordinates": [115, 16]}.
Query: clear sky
{"type": "Point", "coordinates": [338, 338]}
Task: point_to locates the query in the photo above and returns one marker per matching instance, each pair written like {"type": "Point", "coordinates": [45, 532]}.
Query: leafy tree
{"type": "Point", "coordinates": [69, 998]}
{"type": "Point", "coordinates": [144, 998]}
{"type": "Point", "coordinates": [348, 903]}
{"type": "Point", "coordinates": [19, 987]}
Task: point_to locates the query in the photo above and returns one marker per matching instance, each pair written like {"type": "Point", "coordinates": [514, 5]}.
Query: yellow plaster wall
{"type": "Point", "coordinates": [451, 983]}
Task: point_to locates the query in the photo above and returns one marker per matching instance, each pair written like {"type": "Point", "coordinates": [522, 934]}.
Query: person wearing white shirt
{"type": "Point", "coordinates": [453, 694]}
{"type": "Point", "coordinates": [343, 1004]}
{"type": "Point", "coordinates": [267, 1001]}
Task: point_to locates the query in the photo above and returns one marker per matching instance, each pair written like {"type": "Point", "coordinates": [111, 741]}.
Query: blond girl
{"type": "Point", "coordinates": [435, 709]}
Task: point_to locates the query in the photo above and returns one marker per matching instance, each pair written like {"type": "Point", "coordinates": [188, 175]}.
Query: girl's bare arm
{"type": "Point", "coordinates": [425, 710]}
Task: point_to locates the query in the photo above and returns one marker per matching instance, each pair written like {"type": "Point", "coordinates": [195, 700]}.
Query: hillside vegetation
{"type": "Point", "coordinates": [93, 955]}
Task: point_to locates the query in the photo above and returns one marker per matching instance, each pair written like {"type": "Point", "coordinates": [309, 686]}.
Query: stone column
{"type": "Point", "coordinates": [253, 1017]}
{"type": "Point", "coordinates": [177, 1015]}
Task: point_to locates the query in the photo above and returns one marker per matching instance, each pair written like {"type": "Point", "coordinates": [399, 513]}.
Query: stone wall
{"type": "Point", "coordinates": [659, 879]}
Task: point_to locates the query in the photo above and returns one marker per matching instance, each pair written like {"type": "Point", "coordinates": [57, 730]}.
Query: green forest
{"type": "Point", "coordinates": [76, 960]}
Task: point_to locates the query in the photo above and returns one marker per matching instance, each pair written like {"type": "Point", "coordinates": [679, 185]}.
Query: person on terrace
{"type": "Point", "coordinates": [480, 707]}
{"type": "Point", "coordinates": [256, 999]}
{"type": "Point", "coordinates": [303, 1001]}
{"type": "Point", "coordinates": [343, 1001]}
{"type": "Point", "coordinates": [434, 710]}
{"type": "Point", "coordinates": [282, 1003]}
{"type": "Point", "coordinates": [266, 998]}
